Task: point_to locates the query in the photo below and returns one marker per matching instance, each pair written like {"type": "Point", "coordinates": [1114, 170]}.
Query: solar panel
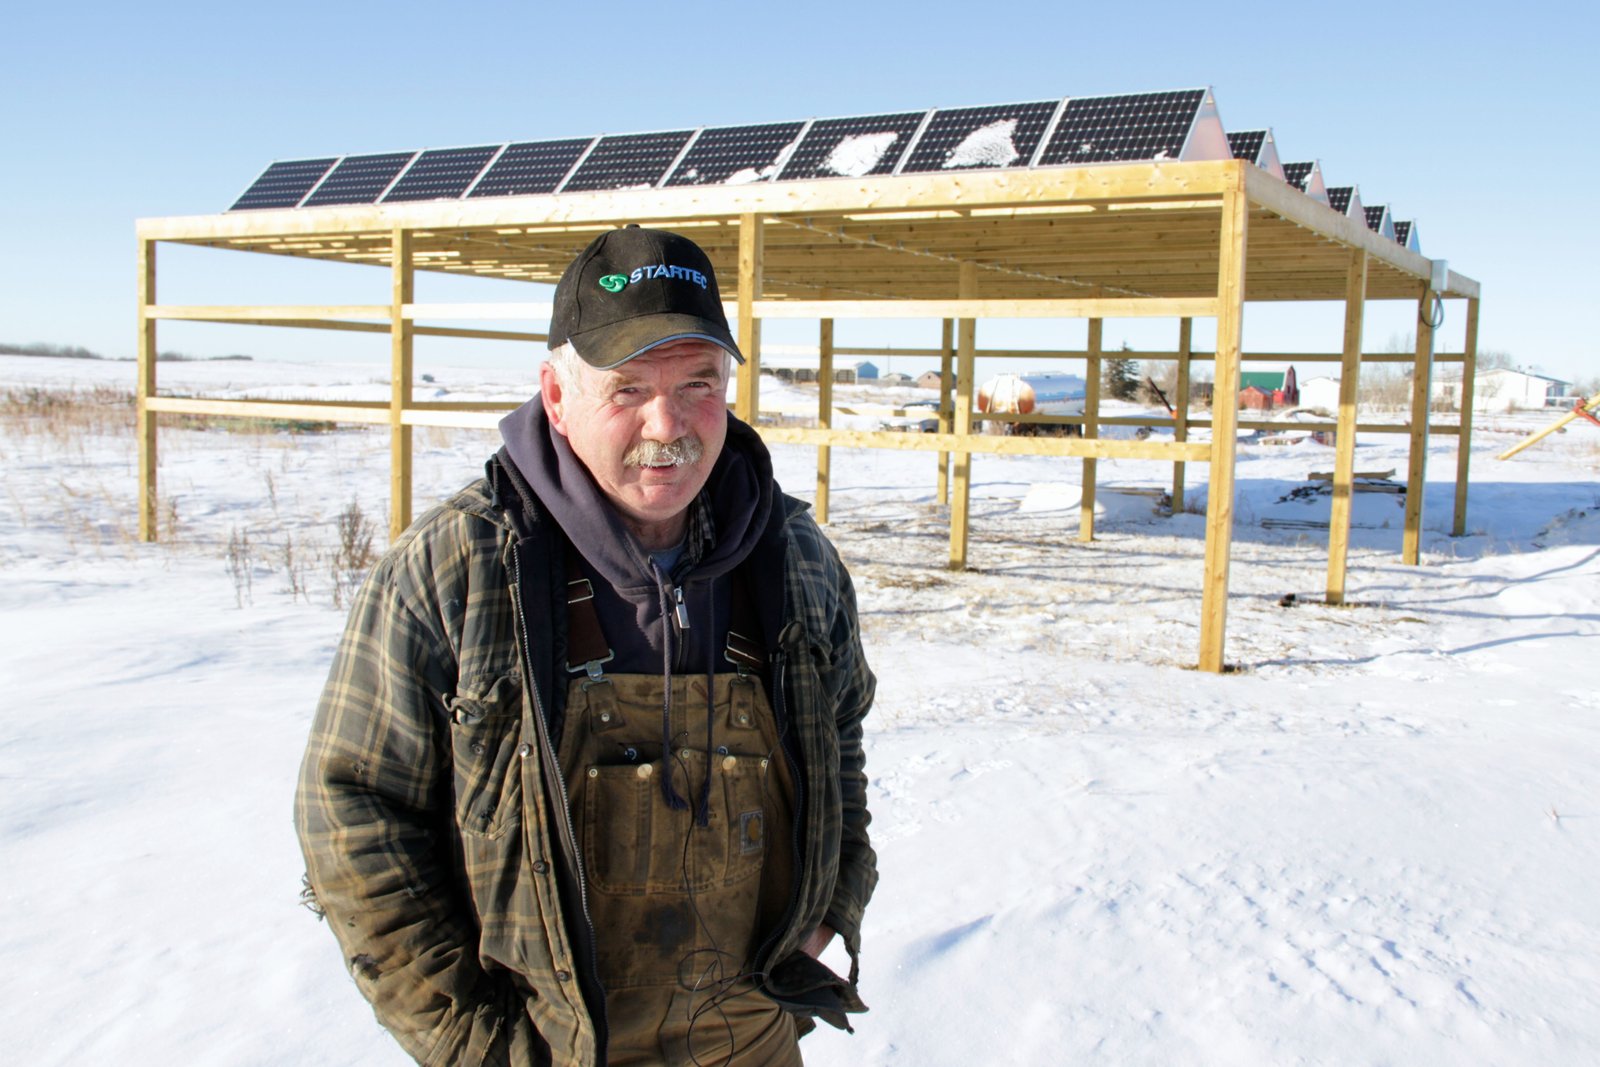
{"type": "Point", "coordinates": [359, 179]}
{"type": "Point", "coordinates": [628, 161]}
{"type": "Point", "coordinates": [1246, 144]}
{"type": "Point", "coordinates": [441, 173]}
{"type": "Point", "coordinates": [1402, 233]}
{"type": "Point", "coordinates": [737, 155]}
{"type": "Point", "coordinates": [1297, 174]}
{"type": "Point", "coordinates": [1339, 197]}
{"type": "Point", "coordinates": [853, 147]}
{"type": "Point", "coordinates": [1374, 216]}
{"type": "Point", "coordinates": [530, 168]}
{"type": "Point", "coordinates": [963, 138]}
{"type": "Point", "coordinates": [283, 184]}
{"type": "Point", "coordinates": [1109, 129]}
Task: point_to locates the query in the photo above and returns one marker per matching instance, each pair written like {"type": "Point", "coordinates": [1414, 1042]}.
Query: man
{"type": "Point", "coordinates": [586, 785]}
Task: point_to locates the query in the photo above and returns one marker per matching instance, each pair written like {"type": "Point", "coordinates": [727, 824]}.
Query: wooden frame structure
{"type": "Point", "coordinates": [1134, 240]}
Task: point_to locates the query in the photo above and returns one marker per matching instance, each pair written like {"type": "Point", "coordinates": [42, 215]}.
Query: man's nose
{"type": "Point", "coordinates": [664, 418]}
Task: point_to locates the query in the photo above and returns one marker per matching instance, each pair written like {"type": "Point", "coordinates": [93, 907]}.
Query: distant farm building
{"type": "Point", "coordinates": [1276, 388]}
{"type": "Point", "coordinates": [1502, 390]}
{"type": "Point", "coordinates": [1321, 393]}
{"type": "Point", "coordinates": [894, 377]}
{"type": "Point", "coordinates": [930, 379]}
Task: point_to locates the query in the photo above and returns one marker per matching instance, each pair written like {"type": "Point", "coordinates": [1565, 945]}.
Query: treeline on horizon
{"type": "Point", "coordinates": [79, 352]}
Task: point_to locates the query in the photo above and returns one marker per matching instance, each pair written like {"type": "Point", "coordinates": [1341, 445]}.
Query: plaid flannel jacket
{"type": "Point", "coordinates": [428, 824]}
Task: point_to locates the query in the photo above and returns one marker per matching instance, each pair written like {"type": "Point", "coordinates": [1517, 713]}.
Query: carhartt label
{"type": "Point", "coordinates": [663, 270]}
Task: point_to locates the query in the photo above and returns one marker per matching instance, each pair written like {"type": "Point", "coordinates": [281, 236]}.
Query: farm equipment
{"type": "Point", "coordinates": [1581, 409]}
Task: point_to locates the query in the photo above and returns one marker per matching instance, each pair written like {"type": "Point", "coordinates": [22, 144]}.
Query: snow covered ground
{"type": "Point", "coordinates": [1377, 842]}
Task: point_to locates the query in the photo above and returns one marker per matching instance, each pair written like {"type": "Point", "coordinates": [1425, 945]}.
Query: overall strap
{"type": "Point", "coordinates": [587, 648]}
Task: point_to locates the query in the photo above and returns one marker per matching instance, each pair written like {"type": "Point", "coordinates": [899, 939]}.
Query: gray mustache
{"type": "Point", "coordinates": [683, 452]}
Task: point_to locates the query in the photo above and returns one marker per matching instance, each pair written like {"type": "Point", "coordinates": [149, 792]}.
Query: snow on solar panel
{"type": "Point", "coordinates": [628, 161]}
{"type": "Point", "coordinates": [852, 147]}
{"type": "Point", "coordinates": [530, 168]}
{"type": "Point", "coordinates": [737, 155]}
{"type": "Point", "coordinates": [359, 179]}
{"type": "Point", "coordinates": [441, 173]}
{"type": "Point", "coordinates": [283, 184]}
{"type": "Point", "coordinates": [1109, 129]}
{"type": "Point", "coordinates": [1004, 135]}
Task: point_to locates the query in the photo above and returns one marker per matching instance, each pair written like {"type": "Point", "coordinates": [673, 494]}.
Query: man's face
{"type": "Point", "coordinates": [618, 422]}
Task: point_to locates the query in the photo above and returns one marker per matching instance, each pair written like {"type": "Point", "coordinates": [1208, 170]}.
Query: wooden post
{"type": "Point", "coordinates": [1224, 429]}
{"type": "Point", "coordinates": [1091, 427]}
{"type": "Point", "coordinates": [1469, 373]}
{"type": "Point", "coordinates": [145, 388]}
{"type": "Point", "coordinates": [824, 415]}
{"type": "Point", "coordinates": [750, 257]}
{"type": "Point", "coordinates": [1344, 461]}
{"type": "Point", "coordinates": [966, 344]}
{"type": "Point", "coordinates": [946, 381]}
{"type": "Point", "coordinates": [401, 346]}
{"type": "Point", "coordinates": [1417, 466]}
{"type": "Point", "coordinates": [1180, 407]}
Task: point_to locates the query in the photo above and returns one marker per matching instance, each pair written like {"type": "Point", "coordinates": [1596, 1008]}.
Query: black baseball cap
{"type": "Point", "coordinates": [634, 289]}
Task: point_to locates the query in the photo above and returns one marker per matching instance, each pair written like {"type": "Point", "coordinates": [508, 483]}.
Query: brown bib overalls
{"type": "Point", "coordinates": [678, 895]}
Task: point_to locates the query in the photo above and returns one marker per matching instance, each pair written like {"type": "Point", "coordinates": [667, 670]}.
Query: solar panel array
{"type": "Point", "coordinates": [531, 167]}
{"type": "Point", "coordinates": [737, 155]}
{"type": "Point", "coordinates": [1375, 216]}
{"type": "Point", "coordinates": [1246, 144]}
{"type": "Point", "coordinates": [628, 161]}
{"type": "Point", "coordinates": [359, 179]}
{"type": "Point", "coordinates": [1043, 133]}
{"type": "Point", "coordinates": [856, 147]}
{"type": "Point", "coordinates": [964, 138]}
{"type": "Point", "coordinates": [441, 174]}
{"type": "Point", "coordinates": [1297, 174]}
{"type": "Point", "coordinates": [284, 184]}
{"type": "Point", "coordinates": [1111, 129]}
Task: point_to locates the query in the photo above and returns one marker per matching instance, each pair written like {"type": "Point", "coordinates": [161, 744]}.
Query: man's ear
{"type": "Point", "coordinates": [551, 396]}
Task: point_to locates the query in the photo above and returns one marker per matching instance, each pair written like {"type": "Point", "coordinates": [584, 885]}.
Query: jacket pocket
{"type": "Point", "coordinates": [485, 731]}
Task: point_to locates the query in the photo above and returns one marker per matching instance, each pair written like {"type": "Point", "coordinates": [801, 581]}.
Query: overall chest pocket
{"type": "Point", "coordinates": [635, 844]}
{"type": "Point", "coordinates": [485, 734]}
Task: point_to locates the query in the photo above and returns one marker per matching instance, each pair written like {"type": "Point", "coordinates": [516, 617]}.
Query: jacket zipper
{"type": "Point", "coordinates": [570, 832]}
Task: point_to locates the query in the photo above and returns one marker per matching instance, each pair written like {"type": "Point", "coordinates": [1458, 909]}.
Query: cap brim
{"type": "Point", "coordinates": [608, 347]}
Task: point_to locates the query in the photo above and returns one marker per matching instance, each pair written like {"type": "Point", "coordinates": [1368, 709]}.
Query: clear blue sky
{"type": "Point", "coordinates": [1478, 121]}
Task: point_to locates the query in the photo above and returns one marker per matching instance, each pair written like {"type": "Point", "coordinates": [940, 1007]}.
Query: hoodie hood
{"type": "Point", "coordinates": [739, 495]}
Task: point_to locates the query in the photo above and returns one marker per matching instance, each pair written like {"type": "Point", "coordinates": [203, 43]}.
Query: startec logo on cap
{"type": "Point", "coordinates": [615, 283]}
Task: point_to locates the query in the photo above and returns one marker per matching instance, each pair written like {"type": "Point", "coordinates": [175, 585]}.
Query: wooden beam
{"type": "Point", "coordinates": [990, 445]}
{"type": "Point", "coordinates": [372, 414]}
{"type": "Point", "coordinates": [824, 415]}
{"type": "Point", "coordinates": [1469, 373]}
{"type": "Point", "coordinates": [145, 389]}
{"type": "Point", "coordinates": [969, 308]}
{"type": "Point", "coordinates": [1180, 408]}
{"type": "Point", "coordinates": [272, 312]}
{"type": "Point", "coordinates": [750, 272]}
{"type": "Point", "coordinates": [1224, 437]}
{"type": "Point", "coordinates": [1417, 465]}
{"type": "Point", "coordinates": [947, 355]}
{"type": "Point", "coordinates": [401, 352]}
{"type": "Point", "coordinates": [1091, 428]}
{"type": "Point", "coordinates": [1344, 463]}
{"type": "Point", "coordinates": [966, 343]}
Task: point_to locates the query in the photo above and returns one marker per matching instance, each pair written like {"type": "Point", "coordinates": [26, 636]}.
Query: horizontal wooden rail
{"type": "Point", "coordinates": [1095, 308]}
{"type": "Point", "coordinates": [309, 410]}
{"type": "Point", "coordinates": [1165, 451]}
